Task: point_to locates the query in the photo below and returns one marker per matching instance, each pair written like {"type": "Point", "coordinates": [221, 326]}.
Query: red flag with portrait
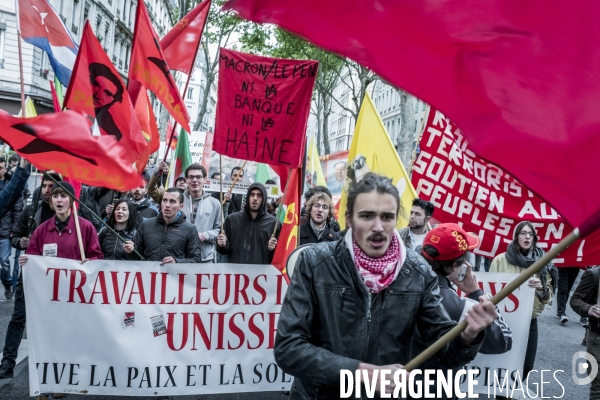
{"type": "Point", "coordinates": [96, 89]}
{"type": "Point", "coordinates": [149, 67]}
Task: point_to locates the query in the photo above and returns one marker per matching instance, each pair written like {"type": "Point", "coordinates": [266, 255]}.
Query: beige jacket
{"type": "Point", "coordinates": [501, 264]}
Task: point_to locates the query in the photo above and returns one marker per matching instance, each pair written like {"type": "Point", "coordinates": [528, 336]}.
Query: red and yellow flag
{"type": "Point", "coordinates": [288, 238]}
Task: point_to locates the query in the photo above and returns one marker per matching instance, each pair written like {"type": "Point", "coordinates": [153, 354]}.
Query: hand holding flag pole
{"type": "Point", "coordinates": [287, 184]}
{"type": "Point", "coordinates": [92, 213]}
{"type": "Point", "coordinates": [234, 181]}
{"type": "Point", "coordinates": [501, 295]}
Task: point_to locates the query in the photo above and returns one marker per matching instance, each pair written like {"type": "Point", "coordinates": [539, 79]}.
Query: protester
{"type": "Point", "coordinates": [56, 237]}
{"type": "Point", "coordinates": [317, 228]}
{"type": "Point", "coordinates": [145, 208]}
{"type": "Point", "coordinates": [323, 323]}
{"type": "Point", "coordinates": [566, 279]}
{"type": "Point", "coordinates": [235, 201]}
{"type": "Point", "coordinates": [156, 184]}
{"type": "Point", "coordinates": [168, 238]}
{"type": "Point", "coordinates": [310, 193]}
{"type": "Point", "coordinates": [585, 303]}
{"type": "Point", "coordinates": [124, 221]}
{"type": "Point", "coordinates": [90, 196]}
{"type": "Point", "coordinates": [520, 254]}
{"type": "Point", "coordinates": [247, 237]}
{"type": "Point", "coordinates": [6, 224]}
{"type": "Point", "coordinates": [202, 210]}
{"type": "Point", "coordinates": [442, 252]}
{"type": "Point", "coordinates": [14, 189]}
{"type": "Point", "coordinates": [413, 235]}
{"type": "Point", "coordinates": [107, 202]}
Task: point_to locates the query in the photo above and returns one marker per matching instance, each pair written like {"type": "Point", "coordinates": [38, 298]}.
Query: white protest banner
{"type": "Point", "coordinates": [214, 185]}
{"type": "Point", "coordinates": [504, 370]}
{"type": "Point", "coordinates": [134, 328]}
{"type": "Point", "coordinates": [197, 139]}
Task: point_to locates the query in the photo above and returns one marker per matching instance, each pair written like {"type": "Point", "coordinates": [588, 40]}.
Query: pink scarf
{"type": "Point", "coordinates": [377, 273]}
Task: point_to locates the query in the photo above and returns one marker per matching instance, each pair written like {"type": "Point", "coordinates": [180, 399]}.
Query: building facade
{"type": "Point", "coordinates": [195, 91]}
{"type": "Point", "coordinates": [111, 20]}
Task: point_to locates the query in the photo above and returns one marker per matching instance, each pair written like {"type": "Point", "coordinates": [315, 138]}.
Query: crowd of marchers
{"type": "Point", "coordinates": [363, 298]}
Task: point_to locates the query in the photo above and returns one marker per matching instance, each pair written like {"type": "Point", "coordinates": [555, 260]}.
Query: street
{"type": "Point", "coordinates": [557, 345]}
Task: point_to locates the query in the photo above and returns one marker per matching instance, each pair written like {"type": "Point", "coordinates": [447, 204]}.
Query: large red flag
{"type": "Point", "coordinates": [180, 44]}
{"type": "Point", "coordinates": [148, 66]}
{"type": "Point", "coordinates": [147, 120]}
{"type": "Point", "coordinates": [288, 237]}
{"type": "Point", "coordinates": [62, 142]}
{"type": "Point", "coordinates": [96, 89]}
{"type": "Point", "coordinates": [518, 77]}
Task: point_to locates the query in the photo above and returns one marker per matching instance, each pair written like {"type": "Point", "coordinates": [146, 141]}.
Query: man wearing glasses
{"type": "Point", "coordinates": [317, 227]}
{"type": "Point", "coordinates": [202, 210]}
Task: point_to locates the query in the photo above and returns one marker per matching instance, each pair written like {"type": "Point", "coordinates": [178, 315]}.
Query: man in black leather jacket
{"type": "Point", "coordinates": [355, 303]}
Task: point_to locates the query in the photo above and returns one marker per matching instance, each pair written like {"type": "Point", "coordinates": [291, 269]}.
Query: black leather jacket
{"type": "Point", "coordinates": [330, 322]}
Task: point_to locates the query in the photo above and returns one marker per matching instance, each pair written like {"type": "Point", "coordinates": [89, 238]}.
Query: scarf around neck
{"type": "Point", "coordinates": [515, 257]}
{"type": "Point", "coordinates": [378, 273]}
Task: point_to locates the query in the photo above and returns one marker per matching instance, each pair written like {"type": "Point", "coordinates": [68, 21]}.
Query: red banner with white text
{"type": "Point", "coordinates": [485, 199]}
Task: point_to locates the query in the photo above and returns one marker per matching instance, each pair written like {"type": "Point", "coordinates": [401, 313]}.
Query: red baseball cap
{"type": "Point", "coordinates": [450, 240]}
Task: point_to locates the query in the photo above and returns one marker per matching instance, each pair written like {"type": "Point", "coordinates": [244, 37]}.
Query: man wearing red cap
{"type": "Point", "coordinates": [354, 304]}
{"type": "Point", "coordinates": [445, 248]}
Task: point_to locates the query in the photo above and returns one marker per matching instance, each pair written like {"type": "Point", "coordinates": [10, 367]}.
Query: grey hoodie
{"type": "Point", "coordinates": [208, 221]}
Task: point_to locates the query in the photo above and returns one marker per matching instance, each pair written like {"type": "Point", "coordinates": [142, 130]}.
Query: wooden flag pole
{"type": "Point", "coordinates": [23, 112]}
{"type": "Point", "coordinates": [221, 191]}
{"type": "Point", "coordinates": [508, 289]}
{"type": "Point", "coordinates": [235, 180]}
{"type": "Point", "coordinates": [287, 185]}
{"type": "Point", "coordinates": [78, 230]}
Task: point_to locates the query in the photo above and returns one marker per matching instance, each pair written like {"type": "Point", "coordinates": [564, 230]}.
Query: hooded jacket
{"type": "Point", "coordinates": [208, 221]}
{"type": "Point", "coordinates": [155, 240]}
{"type": "Point", "coordinates": [248, 238]}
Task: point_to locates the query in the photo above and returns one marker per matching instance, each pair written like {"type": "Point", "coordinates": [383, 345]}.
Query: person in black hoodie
{"type": "Point", "coordinates": [317, 228]}
{"type": "Point", "coordinates": [123, 221]}
{"type": "Point", "coordinates": [168, 238]}
{"type": "Point", "coordinates": [247, 233]}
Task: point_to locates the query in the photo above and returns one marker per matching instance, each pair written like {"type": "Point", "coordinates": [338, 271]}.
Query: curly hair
{"type": "Point", "coordinates": [321, 196]}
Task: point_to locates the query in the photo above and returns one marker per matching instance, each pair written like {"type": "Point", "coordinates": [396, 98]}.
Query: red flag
{"type": "Point", "coordinates": [55, 100]}
{"type": "Point", "coordinates": [172, 136]}
{"type": "Point", "coordinates": [178, 43]}
{"type": "Point", "coordinates": [288, 238]}
{"type": "Point", "coordinates": [147, 121]}
{"type": "Point", "coordinates": [149, 67]}
{"type": "Point", "coordinates": [263, 107]}
{"type": "Point", "coordinates": [43, 141]}
{"type": "Point", "coordinates": [517, 77]}
{"type": "Point", "coordinates": [96, 89]}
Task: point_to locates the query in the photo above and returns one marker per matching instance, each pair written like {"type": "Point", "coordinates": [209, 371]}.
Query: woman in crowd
{"type": "Point", "coordinates": [521, 253]}
{"type": "Point", "coordinates": [122, 220]}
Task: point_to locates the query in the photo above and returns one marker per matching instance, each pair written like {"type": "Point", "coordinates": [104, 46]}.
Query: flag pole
{"type": "Point", "coordinates": [91, 212]}
{"type": "Point", "coordinates": [287, 185]}
{"type": "Point", "coordinates": [78, 230]}
{"type": "Point", "coordinates": [501, 295]}
{"type": "Point", "coordinates": [235, 180]}
{"type": "Point", "coordinates": [413, 156]}
{"type": "Point", "coordinates": [23, 112]}
{"type": "Point", "coordinates": [221, 191]}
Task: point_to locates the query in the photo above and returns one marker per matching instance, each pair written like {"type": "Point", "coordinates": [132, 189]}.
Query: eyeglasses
{"type": "Point", "coordinates": [195, 177]}
{"type": "Point", "coordinates": [323, 207]}
{"type": "Point", "coordinates": [526, 234]}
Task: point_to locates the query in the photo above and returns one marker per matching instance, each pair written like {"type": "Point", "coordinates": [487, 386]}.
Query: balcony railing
{"type": "Point", "coordinates": [74, 28]}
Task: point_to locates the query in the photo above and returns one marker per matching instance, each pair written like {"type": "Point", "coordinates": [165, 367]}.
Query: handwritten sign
{"type": "Point", "coordinates": [263, 107]}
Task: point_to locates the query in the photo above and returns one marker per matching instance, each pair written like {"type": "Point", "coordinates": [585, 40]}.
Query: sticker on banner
{"type": "Point", "coordinates": [50, 250]}
{"type": "Point", "coordinates": [158, 325]}
{"type": "Point", "coordinates": [129, 319]}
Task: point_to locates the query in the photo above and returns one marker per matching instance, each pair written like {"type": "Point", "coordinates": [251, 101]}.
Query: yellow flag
{"type": "Point", "coordinates": [29, 108]}
{"type": "Point", "coordinates": [313, 165]}
{"type": "Point", "coordinates": [372, 150]}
